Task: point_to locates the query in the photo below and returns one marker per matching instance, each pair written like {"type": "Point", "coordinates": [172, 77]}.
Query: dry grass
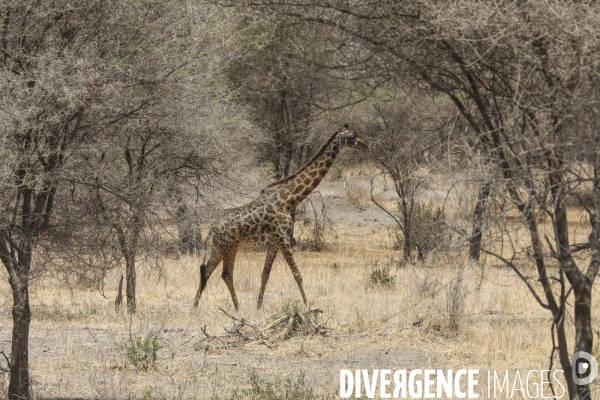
{"type": "Point", "coordinates": [488, 321]}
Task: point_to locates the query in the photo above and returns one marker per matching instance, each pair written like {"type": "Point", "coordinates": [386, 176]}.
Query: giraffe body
{"type": "Point", "coordinates": [266, 221]}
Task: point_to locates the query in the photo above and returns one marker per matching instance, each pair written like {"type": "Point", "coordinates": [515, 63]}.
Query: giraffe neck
{"type": "Point", "coordinates": [295, 188]}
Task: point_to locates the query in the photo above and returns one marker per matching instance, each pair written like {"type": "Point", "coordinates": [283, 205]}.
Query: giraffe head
{"type": "Point", "coordinates": [350, 139]}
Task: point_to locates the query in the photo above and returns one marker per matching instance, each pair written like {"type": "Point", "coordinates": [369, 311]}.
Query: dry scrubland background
{"type": "Point", "coordinates": [125, 123]}
{"type": "Point", "coordinates": [443, 313]}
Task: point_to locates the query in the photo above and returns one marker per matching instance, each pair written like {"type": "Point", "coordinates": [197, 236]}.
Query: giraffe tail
{"type": "Point", "coordinates": [203, 278]}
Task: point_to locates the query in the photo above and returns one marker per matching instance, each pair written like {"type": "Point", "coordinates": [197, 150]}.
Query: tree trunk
{"type": "Point", "coordinates": [584, 336]}
{"type": "Point", "coordinates": [18, 271]}
{"type": "Point", "coordinates": [478, 215]}
{"type": "Point", "coordinates": [119, 298]}
{"type": "Point", "coordinates": [581, 282]}
{"type": "Point", "coordinates": [19, 357]}
{"type": "Point", "coordinates": [582, 286]}
{"type": "Point", "coordinates": [406, 229]}
{"type": "Point", "coordinates": [16, 255]}
{"type": "Point", "coordinates": [130, 276]}
{"type": "Point", "coordinates": [288, 160]}
{"type": "Point", "coordinates": [557, 313]}
{"type": "Point", "coordinates": [407, 248]}
{"type": "Point", "coordinates": [563, 353]}
{"type": "Point", "coordinates": [129, 252]}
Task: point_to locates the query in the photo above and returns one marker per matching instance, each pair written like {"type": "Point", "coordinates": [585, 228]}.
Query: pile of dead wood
{"type": "Point", "coordinates": [278, 327]}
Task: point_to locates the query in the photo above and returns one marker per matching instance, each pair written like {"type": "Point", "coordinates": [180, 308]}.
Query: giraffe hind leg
{"type": "Point", "coordinates": [227, 276]}
{"type": "Point", "coordinates": [289, 258]}
{"type": "Point", "coordinates": [271, 254]}
{"type": "Point", "coordinates": [206, 271]}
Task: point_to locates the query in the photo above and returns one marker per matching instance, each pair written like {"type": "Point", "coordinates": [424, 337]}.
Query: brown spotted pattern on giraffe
{"type": "Point", "coordinates": [298, 189]}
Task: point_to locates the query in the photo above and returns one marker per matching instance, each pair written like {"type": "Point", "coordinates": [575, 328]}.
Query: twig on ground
{"type": "Point", "coordinates": [267, 332]}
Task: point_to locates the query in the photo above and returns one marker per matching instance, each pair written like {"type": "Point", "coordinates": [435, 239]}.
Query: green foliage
{"type": "Point", "coordinates": [380, 276]}
{"type": "Point", "coordinates": [290, 389]}
{"type": "Point", "coordinates": [268, 166]}
{"type": "Point", "coordinates": [290, 307]}
{"type": "Point", "coordinates": [141, 353]}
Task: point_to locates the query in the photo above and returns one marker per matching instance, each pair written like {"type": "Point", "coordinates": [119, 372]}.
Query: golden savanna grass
{"type": "Point", "coordinates": [77, 336]}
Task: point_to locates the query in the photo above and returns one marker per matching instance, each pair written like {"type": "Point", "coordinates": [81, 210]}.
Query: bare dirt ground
{"type": "Point", "coordinates": [78, 338]}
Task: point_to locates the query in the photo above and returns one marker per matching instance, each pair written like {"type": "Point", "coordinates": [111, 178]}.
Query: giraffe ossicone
{"type": "Point", "coordinates": [266, 221]}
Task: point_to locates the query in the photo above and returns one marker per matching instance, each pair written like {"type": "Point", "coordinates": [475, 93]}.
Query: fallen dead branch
{"type": "Point", "coordinates": [278, 327]}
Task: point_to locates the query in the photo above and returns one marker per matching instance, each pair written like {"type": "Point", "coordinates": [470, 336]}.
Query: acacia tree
{"type": "Point", "coordinates": [284, 93]}
{"type": "Point", "coordinates": [521, 75]}
{"type": "Point", "coordinates": [402, 141]}
{"type": "Point", "coordinates": [45, 117]}
{"type": "Point", "coordinates": [155, 156]}
{"type": "Point", "coordinates": [74, 76]}
{"type": "Point", "coordinates": [138, 170]}
{"type": "Point", "coordinates": [133, 176]}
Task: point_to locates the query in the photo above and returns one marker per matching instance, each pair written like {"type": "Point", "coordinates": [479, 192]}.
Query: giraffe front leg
{"type": "Point", "coordinates": [271, 254]}
{"type": "Point", "coordinates": [289, 258]}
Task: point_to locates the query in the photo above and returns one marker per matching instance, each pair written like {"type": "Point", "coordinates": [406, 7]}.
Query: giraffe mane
{"type": "Point", "coordinates": [319, 154]}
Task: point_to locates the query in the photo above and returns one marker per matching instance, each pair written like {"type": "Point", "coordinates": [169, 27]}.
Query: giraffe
{"type": "Point", "coordinates": [266, 221]}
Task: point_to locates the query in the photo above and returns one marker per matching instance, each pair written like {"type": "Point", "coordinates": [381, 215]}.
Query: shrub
{"type": "Point", "coordinates": [455, 299]}
{"type": "Point", "coordinates": [428, 284]}
{"type": "Point", "coordinates": [381, 276]}
{"type": "Point", "coordinates": [141, 352]}
{"type": "Point", "coordinates": [428, 229]}
{"type": "Point", "coordinates": [266, 169]}
{"type": "Point", "coordinates": [313, 222]}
